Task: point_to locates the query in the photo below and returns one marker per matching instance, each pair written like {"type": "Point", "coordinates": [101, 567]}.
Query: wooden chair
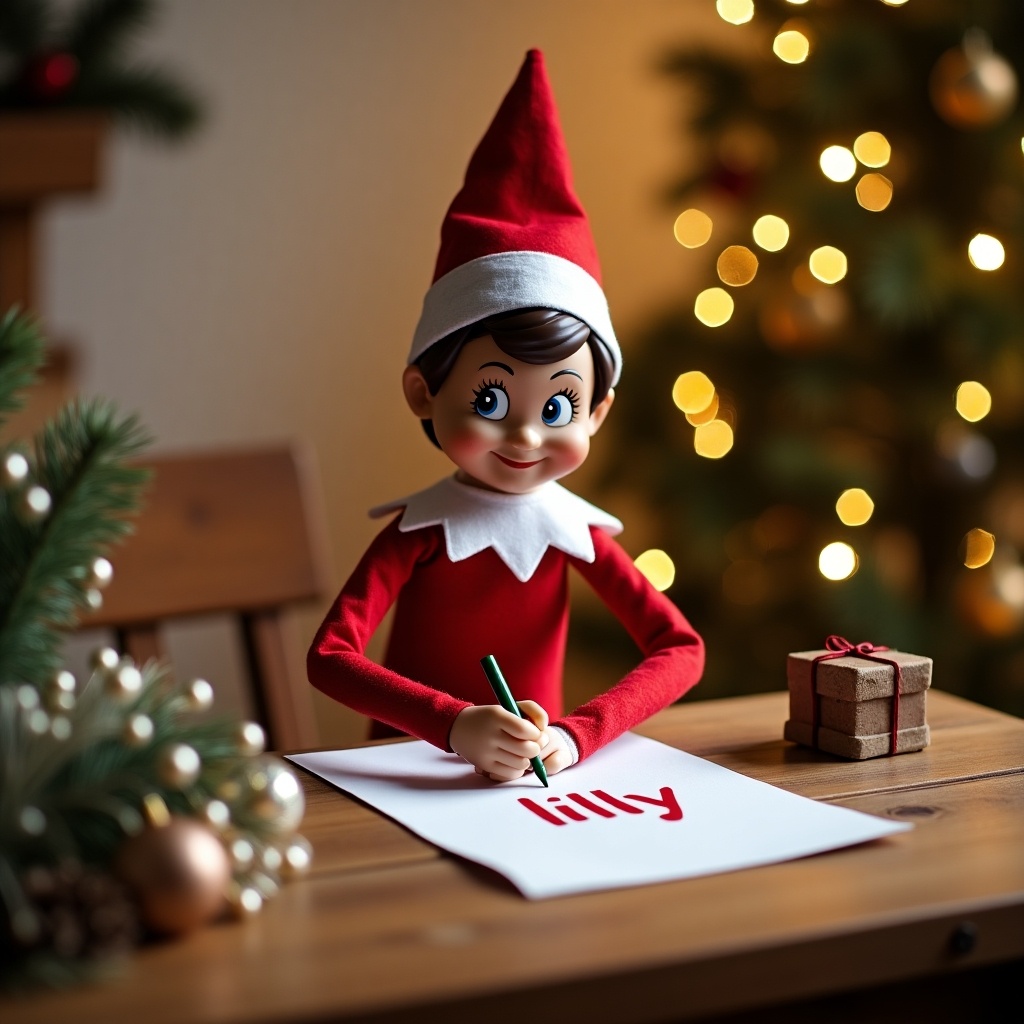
{"type": "Point", "coordinates": [231, 532]}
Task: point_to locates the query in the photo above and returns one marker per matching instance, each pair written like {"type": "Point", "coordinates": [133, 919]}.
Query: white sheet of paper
{"type": "Point", "coordinates": [634, 813]}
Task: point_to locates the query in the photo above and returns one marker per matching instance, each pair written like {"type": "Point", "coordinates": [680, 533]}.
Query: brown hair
{"type": "Point", "coordinates": [536, 335]}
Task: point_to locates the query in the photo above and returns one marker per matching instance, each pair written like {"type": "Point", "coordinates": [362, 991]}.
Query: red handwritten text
{"type": "Point", "coordinates": [601, 805]}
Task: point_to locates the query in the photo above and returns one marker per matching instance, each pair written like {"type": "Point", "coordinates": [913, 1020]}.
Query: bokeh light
{"type": "Point", "coordinates": [838, 163]}
{"type": "Point", "coordinates": [706, 415]}
{"type": "Point", "coordinates": [872, 149]}
{"type": "Point", "coordinates": [771, 232]}
{"type": "Point", "coordinates": [658, 567]}
{"type": "Point", "coordinates": [979, 547]}
{"type": "Point", "coordinates": [713, 440]}
{"type": "Point", "coordinates": [986, 252]}
{"type": "Point", "coordinates": [792, 44]}
{"type": "Point", "coordinates": [692, 228]}
{"type": "Point", "coordinates": [828, 264]}
{"type": "Point", "coordinates": [713, 307]}
{"type": "Point", "coordinates": [874, 192]}
{"type": "Point", "coordinates": [837, 561]}
{"type": "Point", "coordinates": [737, 266]}
{"type": "Point", "coordinates": [854, 507]}
{"type": "Point", "coordinates": [693, 391]}
{"type": "Point", "coordinates": [973, 401]}
{"type": "Point", "coordinates": [736, 12]}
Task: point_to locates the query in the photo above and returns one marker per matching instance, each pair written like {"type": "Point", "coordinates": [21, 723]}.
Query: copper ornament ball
{"type": "Point", "coordinates": [179, 874]}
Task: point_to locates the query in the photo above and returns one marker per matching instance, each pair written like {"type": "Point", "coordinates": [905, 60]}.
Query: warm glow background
{"type": "Point", "coordinates": [262, 281]}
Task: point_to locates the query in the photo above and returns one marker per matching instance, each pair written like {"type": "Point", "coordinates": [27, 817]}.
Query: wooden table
{"type": "Point", "coordinates": [387, 928]}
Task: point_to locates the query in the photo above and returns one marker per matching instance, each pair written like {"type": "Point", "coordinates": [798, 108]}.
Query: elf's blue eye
{"type": "Point", "coordinates": [559, 410]}
{"type": "Point", "coordinates": [491, 402]}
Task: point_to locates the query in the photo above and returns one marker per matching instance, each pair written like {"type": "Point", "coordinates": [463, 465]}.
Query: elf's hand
{"type": "Point", "coordinates": [556, 754]}
{"type": "Point", "coordinates": [496, 742]}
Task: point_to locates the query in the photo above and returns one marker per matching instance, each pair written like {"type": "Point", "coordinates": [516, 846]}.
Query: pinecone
{"type": "Point", "coordinates": [80, 912]}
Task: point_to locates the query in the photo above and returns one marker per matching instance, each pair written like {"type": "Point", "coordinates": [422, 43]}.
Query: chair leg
{"type": "Point", "coordinates": [141, 643]}
{"type": "Point", "coordinates": [285, 710]}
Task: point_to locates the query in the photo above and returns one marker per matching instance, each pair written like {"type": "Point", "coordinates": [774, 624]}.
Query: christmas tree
{"type": "Point", "coordinates": [829, 430]}
{"type": "Point", "coordinates": [124, 811]}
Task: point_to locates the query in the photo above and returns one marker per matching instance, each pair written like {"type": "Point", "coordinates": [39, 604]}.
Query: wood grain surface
{"type": "Point", "coordinates": [387, 929]}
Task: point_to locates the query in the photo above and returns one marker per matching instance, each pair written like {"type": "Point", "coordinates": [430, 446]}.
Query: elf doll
{"type": "Point", "coordinates": [511, 371]}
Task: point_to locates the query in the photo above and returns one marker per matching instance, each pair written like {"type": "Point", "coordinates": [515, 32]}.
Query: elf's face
{"type": "Point", "coordinates": [508, 425]}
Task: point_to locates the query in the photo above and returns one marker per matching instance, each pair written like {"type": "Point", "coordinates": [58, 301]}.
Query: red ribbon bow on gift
{"type": "Point", "coordinates": [840, 647]}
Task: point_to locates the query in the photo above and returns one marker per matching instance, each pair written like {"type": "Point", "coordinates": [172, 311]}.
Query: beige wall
{"type": "Point", "coordinates": [262, 281]}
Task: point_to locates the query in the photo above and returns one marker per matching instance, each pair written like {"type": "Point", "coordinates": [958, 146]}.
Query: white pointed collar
{"type": "Point", "coordinates": [519, 527]}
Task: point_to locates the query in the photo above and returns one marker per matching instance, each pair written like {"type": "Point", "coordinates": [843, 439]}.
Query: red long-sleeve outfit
{"type": "Point", "coordinates": [449, 615]}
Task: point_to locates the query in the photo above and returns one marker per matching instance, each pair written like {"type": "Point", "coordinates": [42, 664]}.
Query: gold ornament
{"type": "Point", "coordinates": [124, 683]}
{"type": "Point", "coordinates": [245, 899]}
{"type": "Point", "coordinates": [217, 815]}
{"type": "Point", "coordinates": [13, 469]}
{"type": "Point", "coordinates": [60, 692]}
{"type": "Point", "coordinates": [138, 730]}
{"type": "Point", "coordinates": [35, 504]}
{"type": "Point", "coordinates": [105, 659]}
{"type": "Point", "coordinates": [178, 871]}
{"type": "Point", "coordinates": [178, 765]}
{"type": "Point", "coordinates": [251, 739]}
{"type": "Point", "coordinates": [101, 572]}
{"type": "Point", "coordinates": [242, 853]}
{"type": "Point", "coordinates": [199, 694]}
{"type": "Point", "coordinates": [298, 856]}
{"type": "Point", "coordinates": [971, 85]}
{"type": "Point", "coordinates": [271, 794]}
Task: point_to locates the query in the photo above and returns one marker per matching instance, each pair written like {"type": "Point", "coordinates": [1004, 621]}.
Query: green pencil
{"type": "Point", "coordinates": [507, 701]}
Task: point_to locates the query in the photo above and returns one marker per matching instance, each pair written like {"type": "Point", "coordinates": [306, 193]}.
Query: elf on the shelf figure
{"type": "Point", "coordinates": [511, 371]}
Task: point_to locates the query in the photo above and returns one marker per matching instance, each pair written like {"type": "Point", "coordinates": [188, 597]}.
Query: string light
{"type": "Point", "coordinates": [713, 307]}
{"type": "Point", "coordinates": [854, 507]}
{"type": "Point", "coordinates": [771, 232]}
{"type": "Point", "coordinates": [837, 561]}
{"type": "Point", "coordinates": [973, 401]}
{"type": "Point", "coordinates": [713, 440]}
{"type": "Point", "coordinates": [792, 44]}
{"type": "Point", "coordinates": [737, 266]}
{"type": "Point", "coordinates": [874, 192]}
{"type": "Point", "coordinates": [736, 12]}
{"type": "Point", "coordinates": [658, 567]}
{"type": "Point", "coordinates": [872, 149]}
{"type": "Point", "coordinates": [986, 252]}
{"type": "Point", "coordinates": [692, 228]}
{"type": "Point", "coordinates": [693, 391]}
{"type": "Point", "coordinates": [837, 163]}
{"type": "Point", "coordinates": [828, 264]}
{"type": "Point", "coordinates": [979, 547]}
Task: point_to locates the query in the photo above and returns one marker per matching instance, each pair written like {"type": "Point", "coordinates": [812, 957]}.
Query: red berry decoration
{"type": "Point", "coordinates": [50, 75]}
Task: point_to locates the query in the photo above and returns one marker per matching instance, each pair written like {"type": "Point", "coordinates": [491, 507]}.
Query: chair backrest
{"type": "Point", "coordinates": [227, 532]}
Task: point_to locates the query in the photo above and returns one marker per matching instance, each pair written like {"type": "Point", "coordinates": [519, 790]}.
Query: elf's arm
{"type": "Point", "coordinates": [673, 652]}
{"type": "Point", "coordinates": [337, 665]}
{"type": "Point", "coordinates": [497, 743]}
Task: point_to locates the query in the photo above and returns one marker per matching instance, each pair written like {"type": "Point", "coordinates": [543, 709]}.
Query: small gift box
{"type": "Point", "coordinates": [858, 700]}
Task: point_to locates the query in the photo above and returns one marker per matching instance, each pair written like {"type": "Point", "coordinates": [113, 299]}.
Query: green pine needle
{"type": "Point", "coordinates": [81, 461]}
{"type": "Point", "coordinates": [145, 99]}
{"type": "Point", "coordinates": [101, 29]}
{"type": "Point", "coordinates": [21, 356]}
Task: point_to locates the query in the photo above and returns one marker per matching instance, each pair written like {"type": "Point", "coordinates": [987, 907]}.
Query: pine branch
{"type": "Point", "coordinates": [23, 25]}
{"type": "Point", "coordinates": [145, 99]}
{"type": "Point", "coordinates": [80, 460]}
{"type": "Point", "coordinates": [100, 29]}
{"type": "Point", "coordinates": [21, 356]}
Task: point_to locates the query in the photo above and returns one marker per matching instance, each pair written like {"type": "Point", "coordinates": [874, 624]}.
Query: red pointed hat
{"type": "Point", "coordinates": [516, 236]}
